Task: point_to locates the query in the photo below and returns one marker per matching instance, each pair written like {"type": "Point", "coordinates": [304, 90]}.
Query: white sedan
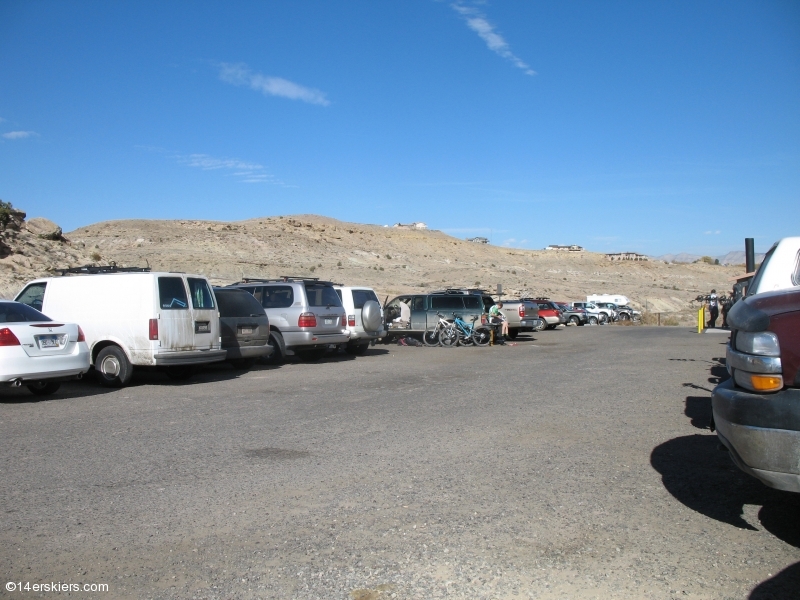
{"type": "Point", "coordinates": [37, 351]}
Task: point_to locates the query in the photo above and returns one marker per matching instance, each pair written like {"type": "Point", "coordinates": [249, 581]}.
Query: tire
{"type": "Point", "coordinates": [602, 319]}
{"type": "Point", "coordinates": [371, 318]}
{"type": "Point", "coordinates": [481, 336]}
{"type": "Point", "coordinates": [542, 325]}
{"type": "Point", "coordinates": [624, 317]}
{"type": "Point", "coordinates": [278, 355]}
{"type": "Point", "coordinates": [311, 355]}
{"type": "Point", "coordinates": [431, 337]}
{"type": "Point", "coordinates": [44, 388]}
{"type": "Point", "coordinates": [592, 320]}
{"type": "Point", "coordinates": [449, 337]}
{"type": "Point", "coordinates": [359, 350]}
{"type": "Point", "coordinates": [179, 373]}
{"type": "Point", "coordinates": [512, 334]}
{"type": "Point", "coordinates": [112, 367]}
{"type": "Point", "coordinates": [242, 363]}
{"type": "Point", "coordinates": [575, 320]}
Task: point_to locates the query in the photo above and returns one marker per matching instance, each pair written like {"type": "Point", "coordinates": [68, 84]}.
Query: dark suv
{"type": "Point", "coordinates": [306, 316]}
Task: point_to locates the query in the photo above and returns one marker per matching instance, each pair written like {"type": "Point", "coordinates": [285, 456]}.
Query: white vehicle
{"type": "Point", "coordinates": [597, 315]}
{"type": "Point", "coordinates": [38, 352]}
{"type": "Point", "coordinates": [617, 299]}
{"type": "Point", "coordinates": [364, 316]}
{"type": "Point", "coordinates": [780, 269]}
{"type": "Point", "coordinates": [137, 318]}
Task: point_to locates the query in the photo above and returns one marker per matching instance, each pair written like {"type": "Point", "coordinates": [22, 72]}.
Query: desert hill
{"type": "Point", "coordinates": [391, 260]}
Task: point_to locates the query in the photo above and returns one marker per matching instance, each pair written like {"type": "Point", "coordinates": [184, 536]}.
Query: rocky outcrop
{"type": "Point", "coordinates": [45, 229]}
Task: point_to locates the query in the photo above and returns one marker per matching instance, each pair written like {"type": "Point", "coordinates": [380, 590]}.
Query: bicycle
{"type": "Point", "coordinates": [432, 335]}
{"type": "Point", "coordinates": [459, 332]}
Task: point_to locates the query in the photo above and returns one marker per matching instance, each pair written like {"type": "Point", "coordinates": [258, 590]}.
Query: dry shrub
{"type": "Point", "coordinates": [667, 320]}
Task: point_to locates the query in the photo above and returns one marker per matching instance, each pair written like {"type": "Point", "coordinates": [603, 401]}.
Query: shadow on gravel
{"type": "Point", "coordinates": [784, 585]}
{"type": "Point", "coordinates": [698, 409]}
{"type": "Point", "coordinates": [703, 478]}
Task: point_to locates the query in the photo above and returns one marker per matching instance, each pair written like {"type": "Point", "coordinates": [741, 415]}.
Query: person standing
{"type": "Point", "coordinates": [713, 307]}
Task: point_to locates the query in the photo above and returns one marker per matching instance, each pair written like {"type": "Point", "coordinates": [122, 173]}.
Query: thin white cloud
{"type": "Point", "coordinates": [244, 171]}
{"type": "Point", "coordinates": [494, 41]}
{"type": "Point", "coordinates": [240, 74]}
{"type": "Point", "coordinates": [717, 232]}
{"type": "Point", "coordinates": [19, 135]}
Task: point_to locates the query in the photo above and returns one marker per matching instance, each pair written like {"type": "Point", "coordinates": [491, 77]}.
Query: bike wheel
{"type": "Point", "coordinates": [448, 337]}
{"type": "Point", "coordinates": [481, 335]}
{"type": "Point", "coordinates": [431, 337]}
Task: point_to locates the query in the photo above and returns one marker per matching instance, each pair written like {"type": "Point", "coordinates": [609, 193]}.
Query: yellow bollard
{"type": "Point", "coordinates": [701, 319]}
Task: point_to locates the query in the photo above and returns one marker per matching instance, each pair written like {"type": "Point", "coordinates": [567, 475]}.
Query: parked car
{"type": "Point", "coordinates": [609, 308]}
{"type": "Point", "coordinates": [243, 326]}
{"type": "Point", "coordinates": [134, 317]}
{"type": "Point", "coordinates": [549, 313]}
{"type": "Point", "coordinates": [364, 317]}
{"type": "Point", "coordinates": [757, 411]}
{"type": "Point", "coordinates": [306, 316]}
{"type": "Point", "coordinates": [626, 313]}
{"type": "Point", "coordinates": [575, 316]}
{"type": "Point", "coordinates": [422, 311]}
{"type": "Point", "coordinates": [37, 352]}
{"type": "Point", "coordinates": [521, 315]}
{"type": "Point", "coordinates": [595, 315]}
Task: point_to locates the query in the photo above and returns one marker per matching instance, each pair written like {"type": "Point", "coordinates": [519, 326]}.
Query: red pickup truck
{"type": "Point", "coordinates": [757, 411]}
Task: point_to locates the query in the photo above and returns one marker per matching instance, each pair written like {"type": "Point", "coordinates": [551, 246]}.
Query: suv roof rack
{"type": "Point", "coordinates": [281, 279]}
{"type": "Point", "coordinates": [101, 269]}
{"type": "Point", "coordinates": [529, 298]}
{"type": "Point", "coordinates": [475, 291]}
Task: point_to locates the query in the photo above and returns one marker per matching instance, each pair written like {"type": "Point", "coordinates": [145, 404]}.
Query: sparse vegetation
{"type": "Point", "coordinates": [96, 256]}
{"type": "Point", "coordinates": [5, 212]}
{"type": "Point", "coordinates": [313, 268]}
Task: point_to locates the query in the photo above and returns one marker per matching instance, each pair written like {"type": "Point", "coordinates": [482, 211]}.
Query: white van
{"type": "Point", "coordinates": [617, 299]}
{"type": "Point", "coordinates": [135, 319]}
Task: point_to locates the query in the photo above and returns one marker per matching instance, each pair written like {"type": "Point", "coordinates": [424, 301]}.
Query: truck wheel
{"type": "Point", "coordinates": [112, 367]}
{"type": "Point", "coordinates": [512, 334]}
{"type": "Point", "coordinates": [592, 320]}
{"type": "Point", "coordinates": [575, 320]}
{"type": "Point", "coordinates": [279, 353]}
{"type": "Point", "coordinates": [44, 388]}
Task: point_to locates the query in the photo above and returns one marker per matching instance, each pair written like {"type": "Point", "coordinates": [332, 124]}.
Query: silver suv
{"type": "Point", "coordinates": [306, 316]}
{"type": "Point", "coordinates": [364, 316]}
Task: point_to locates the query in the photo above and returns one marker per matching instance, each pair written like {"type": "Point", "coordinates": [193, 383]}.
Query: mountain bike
{"type": "Point", "coordinates": [459, 332]}
{"type": "Point", "coordinates": [432, 335]}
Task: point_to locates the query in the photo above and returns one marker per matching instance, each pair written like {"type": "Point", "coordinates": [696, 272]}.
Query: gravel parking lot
{"type": "Point", "coordinates": [575, 464]}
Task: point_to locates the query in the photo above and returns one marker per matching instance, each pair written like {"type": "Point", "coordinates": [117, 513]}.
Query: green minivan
{"type": "Point", "coordinates": [421, 311]}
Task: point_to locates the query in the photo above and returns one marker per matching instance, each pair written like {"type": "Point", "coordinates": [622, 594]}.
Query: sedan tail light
{"type": "Point", "coordinates": [81, 335]}
{"type": "Point", "coordinates": [522, 311]}
{"type": "Point", "coordinates": [307, 319]}
{"type": "Point", "coordinates": [351, 320]}
{"type": "Point", "coordinates": [7, 337]}
{"type": "Point", "coordinates": [153, 329]}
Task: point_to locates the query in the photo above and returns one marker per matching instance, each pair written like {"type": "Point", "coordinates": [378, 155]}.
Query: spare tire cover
{"type": "Point", "coordinates": [371, 316]}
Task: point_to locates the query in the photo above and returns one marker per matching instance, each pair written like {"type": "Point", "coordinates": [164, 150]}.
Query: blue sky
{"type": "Point", "coordinates": [622, 126]}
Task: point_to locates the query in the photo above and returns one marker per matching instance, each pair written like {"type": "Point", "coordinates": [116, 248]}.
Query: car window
{"type": "Point", "coordinates": [472, 302]}
{"type": "Point", "coordinates": [418, 303]}
{"type": "Point", "coordinates": [237, 303]}
{"type": "Point", "coordinates": [15, 312]}
{"type": "Point", "coordinates": [488, 302]}
{"type": "Point", "coordinates": [361, 297]}
{"type": "Point", "coordinates": [338, 293]}
{"type": "Point", "coordinates": [543, 306]}
{"type": "Point", "coordinates": [172, 293]}
{"type": "Point", "coordinates": [33, 295]}
{"type": "Point", "coordinates": [202, 297]}
{"type": "Point", "coordinates": [321, 294]}
{"type": "Point", "coordinates": [278, 296]}
{"type": "Point", "coordinates": [447, 303]}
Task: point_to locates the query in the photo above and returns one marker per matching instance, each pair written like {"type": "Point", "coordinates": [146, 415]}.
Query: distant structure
{"type": "Point", "coordinates": [626, 256]}
{"type": "Point", "coordinates": [478, 240]}
{"type": "Point", "coordinates": [571, 248]}
{"type": "Point", "coordinates": [419, 225]}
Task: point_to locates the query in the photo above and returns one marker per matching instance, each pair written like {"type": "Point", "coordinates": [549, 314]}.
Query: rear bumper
{"type": "Point", "coordinates": [190, 357]}
{"type": "Point", "coordinates": [762, 432]}
{"type": "Point", "coordinates": [307, 340]}
{"type": "Point", "coordinates": [360, 337]}
{"type": "Point", "coordinates": [59, 367]}
{"type": "Point", "coordinates": [525, 324]}
{"type": "Point", "coordinates": [263, 351]}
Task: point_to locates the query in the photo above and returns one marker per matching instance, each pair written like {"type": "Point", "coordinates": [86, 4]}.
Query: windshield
{"type": "Point", "coordinates": [754, 283]}
{"type": "Point", "coordinates": [322, 294]}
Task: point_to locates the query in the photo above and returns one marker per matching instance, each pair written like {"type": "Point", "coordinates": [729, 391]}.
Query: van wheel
{"type": "Point", "coordinates": [44, 388]}
{"type": "Point", "coordinates": [112, 367]}
{"type": "Point", "coordinates": [279, 349]}
{"type": "Point", "coordinates": [512, 334]}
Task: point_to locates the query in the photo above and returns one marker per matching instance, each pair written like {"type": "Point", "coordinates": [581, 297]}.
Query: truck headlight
{"type": "Point", "coordinates": [762, 343]}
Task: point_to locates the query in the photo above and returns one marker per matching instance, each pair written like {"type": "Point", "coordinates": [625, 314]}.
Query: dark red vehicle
{"type": "Point", "coordinates": [549, 313]}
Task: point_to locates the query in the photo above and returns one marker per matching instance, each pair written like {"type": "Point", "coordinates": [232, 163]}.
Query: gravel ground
{"type": "Point", "coordinates": [575, 464]}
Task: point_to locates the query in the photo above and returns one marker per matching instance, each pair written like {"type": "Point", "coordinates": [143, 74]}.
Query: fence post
{"type": "Point", "coordinates": [659, 319]}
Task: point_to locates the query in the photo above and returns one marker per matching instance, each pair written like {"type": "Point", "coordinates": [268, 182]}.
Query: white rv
{"type": "Point", "coordinates": [135, 319]}
{"type": "Point", "coordinates": [617, 299]}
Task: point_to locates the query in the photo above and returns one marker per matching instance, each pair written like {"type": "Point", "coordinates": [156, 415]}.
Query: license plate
{"type": "Point", "coordinates": [328, 321]}
{"type": "Point", "coordinates": [48, 341]}
{"type": "Point", "coordinates": [246, 330]}
{"type": "Point", "coordinates": [202, 327]}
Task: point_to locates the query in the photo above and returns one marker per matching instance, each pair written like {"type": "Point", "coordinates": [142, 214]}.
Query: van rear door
{"type": "Point", "coordinates": [326, 307]}
{"type": "Point", "coordinates": [205, 325]}
{"type": "Point", "coordinates": [175, 327]}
